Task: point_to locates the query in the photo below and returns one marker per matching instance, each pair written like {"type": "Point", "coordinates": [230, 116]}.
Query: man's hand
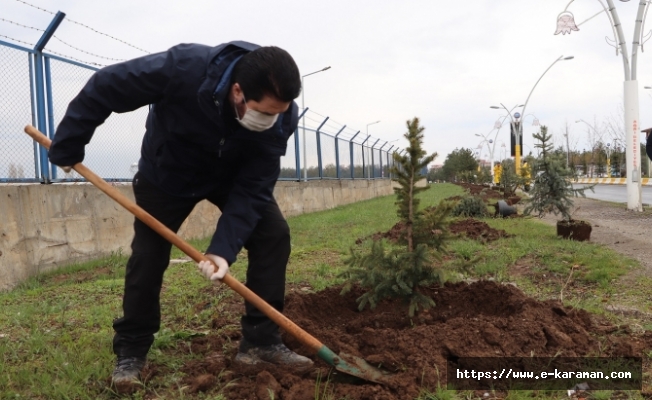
{"type": "Point", "coordinates": [208, 270]}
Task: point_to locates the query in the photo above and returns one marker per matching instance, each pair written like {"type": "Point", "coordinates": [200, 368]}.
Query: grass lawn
{"type": "Point", "coordinates": [55, 329]}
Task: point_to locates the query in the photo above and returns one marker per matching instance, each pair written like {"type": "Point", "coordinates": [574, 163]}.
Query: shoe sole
{"type": "Point", "coordinates": [258, 362]}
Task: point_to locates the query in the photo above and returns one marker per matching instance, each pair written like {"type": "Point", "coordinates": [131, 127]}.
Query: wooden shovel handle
{"type": "Point", "coordinates": [273, 314]}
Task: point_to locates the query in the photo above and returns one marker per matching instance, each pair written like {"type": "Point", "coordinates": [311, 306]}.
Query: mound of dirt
{"type": "Point", "coordinates": [470, 227]}
{"type": "Point", "coordinates": [482, 319]}
{"type": "Point", "coordinates": [393, 235]}
{"type": "Point", "coordinates": [484, 192]}
{"type": "Point", "coordinates": [477, 230]}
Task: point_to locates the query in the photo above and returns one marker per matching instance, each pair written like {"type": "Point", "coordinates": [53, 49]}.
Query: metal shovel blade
{"type": "Point", "coordinates": [355, 366]}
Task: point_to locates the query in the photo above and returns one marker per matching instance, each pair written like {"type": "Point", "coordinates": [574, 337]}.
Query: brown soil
{"type": "Point", "coordinates": [484, 192]}
{"type": "Point", "coordinates": [477, 230]}
{"type": "Point", "coordinates": [393, 235]}
{"type": "Point", "coordinates": [471, 228]}
{"type": "Point", "coordinates": [482, 319]}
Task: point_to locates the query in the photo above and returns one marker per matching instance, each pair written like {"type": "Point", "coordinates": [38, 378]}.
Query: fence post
{"type": "Point", "coordinates": [297, 151]}
{"type": "Point", "coordinates": [364, 165]}
{"type": "Point", "coordinates": [382, 172]}
{"type": "Point", "coordinates": [351, 150]}
{"type": "Point", "coordinates": [373, 166]}
{"type": "Point", "coordinates": [337, 153]}
{"type": "Point", "coordinates": [40, 96]}
{"type": "Point", "coordinates": [319, 166]}
{"type": "Point", "coordinates": [50, 107]}
{"type": "Point", "coordinates": [33, 109]}
{"type": "Point", "coordinates": [390, 160]}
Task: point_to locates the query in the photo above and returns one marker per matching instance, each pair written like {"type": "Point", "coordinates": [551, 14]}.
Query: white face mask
{"type": "Point", "coordinates": [255, 120]}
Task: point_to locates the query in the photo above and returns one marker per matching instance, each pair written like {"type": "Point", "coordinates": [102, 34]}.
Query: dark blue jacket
{"type": "Point", "coordinates": [192, 145]}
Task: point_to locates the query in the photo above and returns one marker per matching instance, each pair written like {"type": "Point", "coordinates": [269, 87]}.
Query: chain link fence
{"type": "Point", "coordinates": [115, 149]}
{"type": "Point", "coordinates": [18, 158]}
{"type": "Point", "coordinates": [36, 88]}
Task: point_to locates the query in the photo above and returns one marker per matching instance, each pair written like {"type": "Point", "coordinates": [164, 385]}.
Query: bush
{"type": "Point", "coordinates": [472, 206]}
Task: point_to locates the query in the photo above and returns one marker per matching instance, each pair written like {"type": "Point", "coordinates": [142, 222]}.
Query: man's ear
{"type": "Point", "coordinates": [236, 90]}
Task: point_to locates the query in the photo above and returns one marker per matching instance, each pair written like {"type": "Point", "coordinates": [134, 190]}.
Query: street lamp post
{"type": "Point", "coordinates": [567, 150]}
{"type": "Point", "coordinates": [566, 24]}
{"type": "Point", "coordinates": [371, 123]}
{"type": "Point", "coordinates": [514, 123]}
{"type": "Point", "coordinates": [363, 152]}
{"type": "Point", "coordinates": [517, 126]}
{"type": "Point", "coordinates": [303, 122]}
{"type": "Point", "coordinates": [608, 160]}
{"type": "Point", "coordinates": [497, 126]}
{"type": "Point", "coordinates": [490, 148]}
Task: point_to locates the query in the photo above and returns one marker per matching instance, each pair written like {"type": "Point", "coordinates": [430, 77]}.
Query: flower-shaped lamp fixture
{"type": "Point", "coordinates": [535, 122]}
{"type": "Point", "coordinates": [566, 23]}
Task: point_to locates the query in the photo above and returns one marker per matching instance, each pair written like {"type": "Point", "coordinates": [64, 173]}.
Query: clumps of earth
{"type": "Point", "coordinates": [481, 319]}
{"type": "Point", "coordinates": [469, 227]}
{"type": "Point", "coordinates": [484, 192]}
{"type": "Point", "coordinates": [477, 230]}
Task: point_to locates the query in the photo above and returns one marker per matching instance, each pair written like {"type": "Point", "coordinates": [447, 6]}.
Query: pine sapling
{"type": "Point", "coordinates": [400, 272]}
{"type": "Point", "coordinates": [552, 191]}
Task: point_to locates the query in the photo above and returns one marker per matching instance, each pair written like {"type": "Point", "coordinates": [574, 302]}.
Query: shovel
{"type": "Point", "coordinates": [345, 363]}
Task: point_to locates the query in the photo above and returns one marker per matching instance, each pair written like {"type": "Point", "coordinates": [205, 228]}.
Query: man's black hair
{"type": "Point", "coordinates": [268, 71]}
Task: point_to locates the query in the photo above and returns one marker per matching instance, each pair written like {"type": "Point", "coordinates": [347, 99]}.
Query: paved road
{"type": "Point", "coordinates": [616, 193]}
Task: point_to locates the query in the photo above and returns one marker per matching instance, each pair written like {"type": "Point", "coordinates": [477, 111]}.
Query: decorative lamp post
{"type": "Point", "coordinates": [517, 127]}
{"type": "Point", "coordinates": [514, 123]}
{"type": "Point", "coordinates": [566, 24]}
{"type": "Point", "coordinates": [489, 148]}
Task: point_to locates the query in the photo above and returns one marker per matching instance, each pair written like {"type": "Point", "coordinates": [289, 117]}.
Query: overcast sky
{"type": "Point", "coordinates": [445, 62]}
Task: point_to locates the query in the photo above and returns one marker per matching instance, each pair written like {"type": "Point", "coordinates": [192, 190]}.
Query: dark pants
{"type": "Point", "coordinates": [268, 250]}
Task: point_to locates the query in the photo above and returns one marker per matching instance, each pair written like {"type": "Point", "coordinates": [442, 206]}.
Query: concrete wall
{"type": "Point", "coordinates": [44, 226]}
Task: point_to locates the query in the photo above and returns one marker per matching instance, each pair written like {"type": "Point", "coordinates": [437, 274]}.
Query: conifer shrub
{"type": "Point", "coordinates": [510, 181]}
{"type": "Point", "coordinates": [552, 190]}
{"type": "Point", "coordinates": [400, 271]}
{"type": "Point", "coordinates": [471, 206]}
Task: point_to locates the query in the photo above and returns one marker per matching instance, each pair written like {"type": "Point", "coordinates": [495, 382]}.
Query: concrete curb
{"type": "Point", "coordinates": [612, 181]}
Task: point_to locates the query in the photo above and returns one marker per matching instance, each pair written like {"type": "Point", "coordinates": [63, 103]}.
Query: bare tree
{"type": "Point", "coordinates": [15, 171]}
{"type": "Point", "coordinates": [595, 134]}
{"type": "Point", "coordinates": [615, 125]}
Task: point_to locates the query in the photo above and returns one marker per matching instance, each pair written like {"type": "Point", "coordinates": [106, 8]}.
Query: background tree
{"type": "Point", "coordinates": [459, 160]}
{"type": "Point", "coordinates": [15, 171]}
{"type": "Point", "coordinates": [509, 180]}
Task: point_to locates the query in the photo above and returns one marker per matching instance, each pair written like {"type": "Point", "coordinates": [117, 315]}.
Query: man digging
{"type": "Point", "coordinates": [219, 122]}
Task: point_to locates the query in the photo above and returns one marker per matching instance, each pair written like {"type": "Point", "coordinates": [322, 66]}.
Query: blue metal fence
{"type": "Point", "coordinates": [36, 87]}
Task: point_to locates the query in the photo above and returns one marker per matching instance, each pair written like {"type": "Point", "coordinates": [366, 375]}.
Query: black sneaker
{"type": "Point", "coordinates": [249, 354]}
{"type": "Point", "coordinates": [127, 370]}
